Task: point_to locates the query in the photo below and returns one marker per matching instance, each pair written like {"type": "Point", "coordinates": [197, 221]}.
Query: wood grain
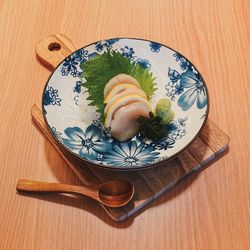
{"type": "Point", "coordinates": [208, 211]}
{"type": "Point", "coordinates": [53, 49]}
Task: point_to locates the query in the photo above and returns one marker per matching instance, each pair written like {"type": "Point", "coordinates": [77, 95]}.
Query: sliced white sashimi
{"type": "Point", "coordinates": [121, 78]}
{"type": "Point", "coordinates": [120, 103]}
{"type": "Point", "coordinates": [125, 124]}
{"type": "Point", "coordinates": [119, 88]}
{"type": "Point", "coordinates": [130, 91]}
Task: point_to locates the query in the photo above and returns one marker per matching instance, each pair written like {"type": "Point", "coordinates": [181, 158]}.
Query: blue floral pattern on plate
{"type": "Point", "coordinates": [144, 63]}
{"type": "Point", "coordinates": [51, 97]}
{"type": "Point", "coordinates": [188, 85]}
{"type": "Point", "coordinates": [89, 140]}
{"type": "Point", "coordinates": [155, 47]}
{"type": "Point", "coordinates": [131, 154]}
{"type": "Point", "coordinates": [96, 144]}
{"type": "Point", "coordinates": [107, 44]}
{"type": "Point", "coordinates": [176, 130]}
{"type": "Point", "coordinates": [77, 87]}
{"type": "Point", "coordinates": [195, 92]}
{"type": "Point", "coordinates": [87, 143]}
{"type": "Point", "coordinates": [128, 52]}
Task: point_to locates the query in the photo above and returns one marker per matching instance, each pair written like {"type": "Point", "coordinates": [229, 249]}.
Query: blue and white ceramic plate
{"type": "Point", "coordinates": [75, 124]}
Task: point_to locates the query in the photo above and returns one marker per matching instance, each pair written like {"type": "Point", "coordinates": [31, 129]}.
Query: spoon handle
{"type": "Point", "coordinates": [37, 186]}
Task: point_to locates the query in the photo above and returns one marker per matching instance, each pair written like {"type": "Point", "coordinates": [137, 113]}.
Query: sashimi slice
{"type": "Point", "coordinates": [131, 91]}
{"type": "Point", "coordinates": [121, 78]}
{"type": "Point", "coordinates": [120, 103]}
{"type": "Point", "coordinates": [119, 88]}
{"type": "Point", "coordinates": [125, 124]}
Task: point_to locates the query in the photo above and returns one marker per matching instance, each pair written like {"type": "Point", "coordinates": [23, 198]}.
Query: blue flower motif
{"type": "Point", "coordinates": [105, 131]}
{"type": "Point", "coordinates": [171, 88]}
{"type": "Point", "coordinates": [128, 52]}
{"type": "Point", "coordinates": [77, 87]}
{"type": "Point", "coordinates": [74, 73]}
{"type": "Point", "coordinates": [107, 44]}
{"type": "Point", "coordinates": [179, 89]}
{"type": "Point", "coordinates": [131, 154]}
{"type": "Point", "coordinates": [196, 91]}
{"type": "Point", "coordinates": [99, 158]}
{"type": "Point", "coordinates": [175, 132]}
{"type": "Point", "coordinates": [177, 56]}
{"type": "Point", "coordinates": [182, 121]}
{"type": "Point", "coordinates": [57, 134]}
{"type": "Point", "coordinates": [70, 63]}
{"type": "Point", "coordinates": [184, 64]}
{"type": "Point", "coordinates": [88, 143]}
{"type": "Point", "coordinates": [155, 47]}
{"type": "Point", "coordinates": [172, 126]}
{"type": "Point", "coordinates": [188, 84]}
{"type": "Point", "coordinates": [64, 71]}
{"type": "Point", "coordinates": [92, 55]}
{"type": "Point", "coordinates": [173, 75]}
{"type": "Point", "coordinates": [51, 97]}
{"type": "Point", "coordinates": [178, 134]}
{"type": "Point", "coordinates": [81, 55]}
{"type": "Point", "coordinates": [110, 42]}
{"type": "Point", "coordinates": [99, 46]}
{"type": "Point", "coordinates": [144, 63]}
{"type": "Point", "coordinates": [164, 144]}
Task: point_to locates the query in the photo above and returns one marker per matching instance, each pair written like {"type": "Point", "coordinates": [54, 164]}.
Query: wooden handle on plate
{"type": "Point", "coordinates": [53, 49]}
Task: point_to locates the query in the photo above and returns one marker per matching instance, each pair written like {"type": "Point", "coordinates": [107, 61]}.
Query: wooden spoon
{"type": "Point", "coordinates": [115, 193]}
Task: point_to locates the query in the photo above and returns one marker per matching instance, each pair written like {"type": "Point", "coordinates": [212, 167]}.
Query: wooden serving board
{"type": "Point", "coordinates": [149, 184]}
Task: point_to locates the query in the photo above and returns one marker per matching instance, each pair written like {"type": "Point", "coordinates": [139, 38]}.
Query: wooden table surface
{"type": "Point", "coordinates": [206, 211]}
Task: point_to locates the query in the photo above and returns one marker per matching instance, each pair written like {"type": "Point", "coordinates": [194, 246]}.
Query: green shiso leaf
{"type": "Point", "coordinates": [100, 69]}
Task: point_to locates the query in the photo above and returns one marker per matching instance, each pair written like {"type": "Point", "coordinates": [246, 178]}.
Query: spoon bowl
{"type": "Point", "coordinates": [116, 193]}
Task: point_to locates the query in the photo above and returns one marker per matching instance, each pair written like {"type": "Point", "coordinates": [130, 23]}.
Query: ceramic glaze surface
{"type": "Point", "coordinates": [76, 125]}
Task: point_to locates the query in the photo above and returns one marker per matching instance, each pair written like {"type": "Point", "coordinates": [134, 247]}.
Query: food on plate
{"type": "Point", "coordinates": [163, 110]}
{"type": "Point", "coordinates": [126, 92]}
{"type": "Point", "coordinates": [99, 70]}
{"type": "Point", "coordinates": [125, 124]}
{"type": "Point", "coordinates": [152, 127]}
{"type": "Point", "coordinates": [121, 90]}
{"type": "Point", "coordinates": [121, 78]}
{"type": "Point", "coordinates": [121, 103]}
{"type": "Point", "coordinates": [124, 108]}
{"type": "Point", "coordinates": [128, 111]}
